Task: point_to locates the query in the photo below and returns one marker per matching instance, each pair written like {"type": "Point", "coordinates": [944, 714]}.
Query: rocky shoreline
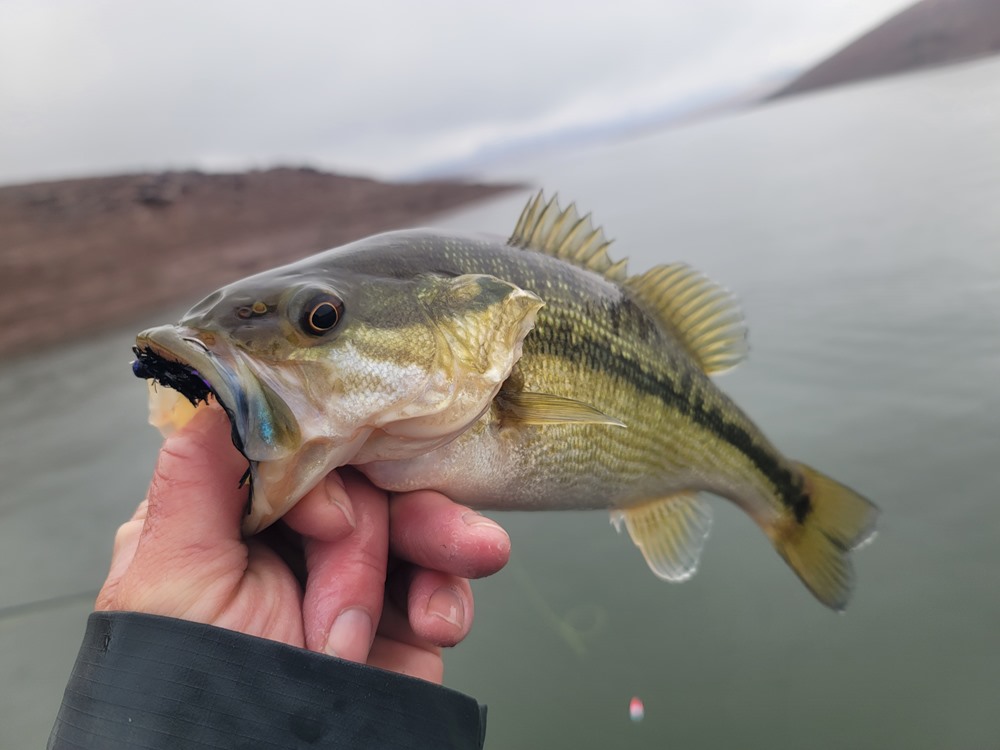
{"type": "Point", "coordinates": [79, 256]}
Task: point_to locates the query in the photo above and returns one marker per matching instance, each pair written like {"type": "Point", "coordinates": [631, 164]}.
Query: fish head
{"type": "Point", "coordinates": [318, 367]}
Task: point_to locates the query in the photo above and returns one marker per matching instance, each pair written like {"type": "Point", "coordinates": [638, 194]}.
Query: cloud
{"type": "Point", "coordinates": [382, 88]}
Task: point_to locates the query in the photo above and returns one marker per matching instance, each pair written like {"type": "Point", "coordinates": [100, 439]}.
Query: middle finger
{"type": "Point", "coordinates": [346, 578]}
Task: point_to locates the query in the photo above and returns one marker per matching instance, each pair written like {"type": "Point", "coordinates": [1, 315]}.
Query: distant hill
{"type": "Point", "coordinates": [925, 35]}
{"type": "Point", "coordinates": [80, 255]}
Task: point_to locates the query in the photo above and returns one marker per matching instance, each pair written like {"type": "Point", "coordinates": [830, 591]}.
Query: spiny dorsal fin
{"type": "Point", "coordinates": [545, 227]}
{"type": "Point", "coordinates": [705, 316]}
{"type": "Point", "coordinates": [669, 532]}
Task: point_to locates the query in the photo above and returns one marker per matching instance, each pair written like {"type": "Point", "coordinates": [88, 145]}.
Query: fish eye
{"type": "Point", "coordinates": [321, 314]}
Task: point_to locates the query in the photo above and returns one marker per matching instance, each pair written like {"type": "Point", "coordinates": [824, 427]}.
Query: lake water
{"type": "Point", "coordinates": [861, 230]}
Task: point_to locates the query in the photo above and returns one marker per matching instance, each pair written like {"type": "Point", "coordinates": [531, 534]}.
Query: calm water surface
{"type": "Point", "coordinates": [861, 230]}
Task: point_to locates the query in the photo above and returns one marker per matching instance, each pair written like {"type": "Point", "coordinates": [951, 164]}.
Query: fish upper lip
{"type": "Point", "coordinates": [170, 344]}
{"type": "Point", "coordinates": [195, 342]}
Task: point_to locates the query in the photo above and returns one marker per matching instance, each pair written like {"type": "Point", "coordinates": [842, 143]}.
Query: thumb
{"type": "Point", "coordinates": [195, 498]}
{"type": "Point", "coordinates": [192, 527]}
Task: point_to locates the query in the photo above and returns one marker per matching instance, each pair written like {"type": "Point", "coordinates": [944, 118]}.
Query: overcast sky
{"type": "Point", "coordinates": [382, 88]}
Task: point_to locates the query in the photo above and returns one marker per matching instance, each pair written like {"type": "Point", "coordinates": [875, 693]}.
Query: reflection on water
{"type": "Point", "coordinates": [575, 627]}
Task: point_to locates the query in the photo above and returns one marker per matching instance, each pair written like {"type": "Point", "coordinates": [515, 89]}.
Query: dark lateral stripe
{"type": "Point", "coordinates": [682, 397]}
{"type": "Point", "coordinates": [558, 336]}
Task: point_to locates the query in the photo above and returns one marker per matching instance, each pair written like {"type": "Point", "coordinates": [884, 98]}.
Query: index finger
{"type": "Point", "coordinates": [429, 530]}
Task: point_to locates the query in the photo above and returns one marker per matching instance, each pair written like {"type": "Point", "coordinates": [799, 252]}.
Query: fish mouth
{"type": "Point", "coordinates": [178, 359]}
{"type": "Point", "coordinates": [201, 364]}
{"type": "Point", "coordinates": [194, 364]}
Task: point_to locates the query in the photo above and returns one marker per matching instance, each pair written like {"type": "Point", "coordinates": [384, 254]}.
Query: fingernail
{"type": "Point", "coordinates": [336, 493]}
{"type": "Point", "coordinates": [448, 605]}
{"type": "Point", "coordinates": [351, 635]}
{"type": "Point", "coordinates": [477, 519]}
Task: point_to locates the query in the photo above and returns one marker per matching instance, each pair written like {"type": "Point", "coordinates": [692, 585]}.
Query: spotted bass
{"type": "Point", "coordinates": [531, 374]}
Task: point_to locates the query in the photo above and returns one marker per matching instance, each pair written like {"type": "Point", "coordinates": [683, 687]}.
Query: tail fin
{"type": "Point", "coordinates": [838, 521]}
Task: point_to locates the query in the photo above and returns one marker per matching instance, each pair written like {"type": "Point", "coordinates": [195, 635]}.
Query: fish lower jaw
{"type": "Point", "coordinates": [278, 485]}
{"type": "Point", "coordinates": [170, 410]}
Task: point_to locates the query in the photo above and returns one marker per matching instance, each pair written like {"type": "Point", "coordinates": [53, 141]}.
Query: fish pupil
{"type": "Point", "coordinates": [323, 317]}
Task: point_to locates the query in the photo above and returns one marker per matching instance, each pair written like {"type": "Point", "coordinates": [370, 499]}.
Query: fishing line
{"type": "Point", "coordinates": [40, 605]}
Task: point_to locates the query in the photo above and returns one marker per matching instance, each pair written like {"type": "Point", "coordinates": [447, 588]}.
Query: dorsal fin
{"type": "Point", "coordinates": [545, 227]}
{"type": "Point", "coordinates": [705, 316]}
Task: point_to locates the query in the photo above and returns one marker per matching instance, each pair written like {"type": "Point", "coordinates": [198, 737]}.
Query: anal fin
{"type": "Point", "coordinates": [669, 532]}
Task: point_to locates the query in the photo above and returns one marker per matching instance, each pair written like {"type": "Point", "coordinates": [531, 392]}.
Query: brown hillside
{"type": "Point", "coordinates": [928, 34]}
{"type": "Point", "coordinates": [78, 255]}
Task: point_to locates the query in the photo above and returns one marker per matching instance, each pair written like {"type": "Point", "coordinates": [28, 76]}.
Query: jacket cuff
{"type": "Point", "coordinates": [143, 681]}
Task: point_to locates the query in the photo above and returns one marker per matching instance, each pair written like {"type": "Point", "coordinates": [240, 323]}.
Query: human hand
{"type": "Point", "coordinates": [384, 583]}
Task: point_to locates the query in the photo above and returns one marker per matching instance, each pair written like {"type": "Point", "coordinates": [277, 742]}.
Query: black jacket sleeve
{"type": "Point", "coordinates": [142, 681]}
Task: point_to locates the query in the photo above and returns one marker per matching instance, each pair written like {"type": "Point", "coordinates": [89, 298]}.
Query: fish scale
{"type": "Point", "coordinates": [527, 374]}
{"type": "Point", "coordinates": [573, 343]}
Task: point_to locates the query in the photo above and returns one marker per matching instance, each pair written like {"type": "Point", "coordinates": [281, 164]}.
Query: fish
{"type": "Point", "coordinates": [532, 373]}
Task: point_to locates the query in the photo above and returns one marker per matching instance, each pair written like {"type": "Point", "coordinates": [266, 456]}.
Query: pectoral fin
{"type": "Point", "coordinates": [670, 533]}
{"type": "Point", "coordinates": [543, 408]}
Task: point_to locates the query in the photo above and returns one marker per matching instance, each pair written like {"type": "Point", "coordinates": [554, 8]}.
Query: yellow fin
{"type": "Point", "coordinates": [670, 533]}
{"type": "Point", "coordinates": [838, 520]}
{"type": "Point", "coordinates": [544, 408]}
{"type": "Point", "coordinates": [705, 316]}
{"type": "Point", "coordinates": [547, 228]}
